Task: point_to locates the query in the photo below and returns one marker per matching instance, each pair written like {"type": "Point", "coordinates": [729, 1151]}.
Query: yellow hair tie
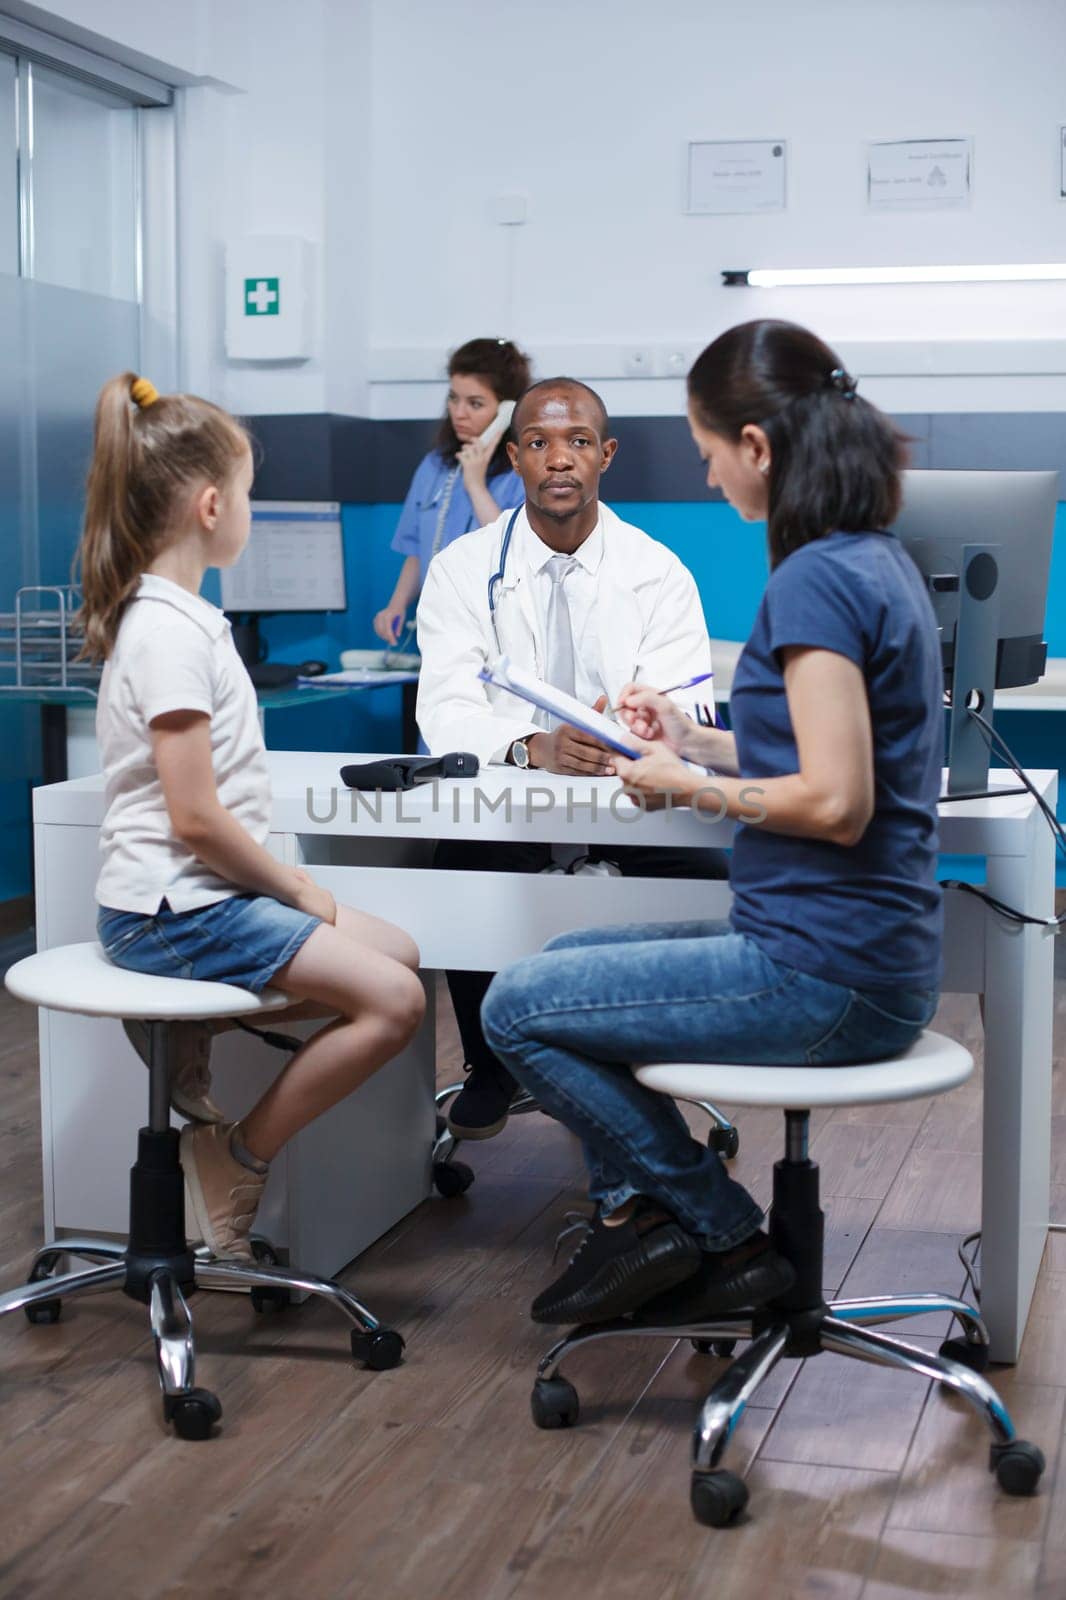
{"type": "Point", "coordinates": [143, 393]}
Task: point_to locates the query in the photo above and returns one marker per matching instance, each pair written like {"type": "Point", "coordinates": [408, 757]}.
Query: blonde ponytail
{"type": "Point", "coordinates": [149, 450]}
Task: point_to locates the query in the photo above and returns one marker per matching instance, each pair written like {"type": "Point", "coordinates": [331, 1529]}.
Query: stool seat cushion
{"type": "Point", "coordinates": [932, 1065]}
{"type": "Point", "coordinates": [79, 977]}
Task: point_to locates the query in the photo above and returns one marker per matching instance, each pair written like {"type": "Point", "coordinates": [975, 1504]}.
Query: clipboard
{"type": "Point", "coordinates": [503, 674]}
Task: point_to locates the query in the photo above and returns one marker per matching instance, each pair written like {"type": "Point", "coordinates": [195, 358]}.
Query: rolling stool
{"type": "Point", "coordinates": [157, 1266]}
{"type": "Point", "coordinates": [451, 1177]}
{"type": "Point", "coordinates": [801, 1323]}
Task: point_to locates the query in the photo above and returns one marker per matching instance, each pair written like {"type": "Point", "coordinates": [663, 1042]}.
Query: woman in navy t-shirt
{"type": "Point", "coordinates": [832, 951]}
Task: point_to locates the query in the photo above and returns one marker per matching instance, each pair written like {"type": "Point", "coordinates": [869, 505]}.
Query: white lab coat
{"type": "Point", "coordinates": [649, 622]}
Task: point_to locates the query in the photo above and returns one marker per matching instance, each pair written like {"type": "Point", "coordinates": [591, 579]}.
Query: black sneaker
{"type": "Point", "coordinates": [750, 1275]}
{"type": "Point", "coordinates": [479, 1110]}
{"type": "Point", "coordinates": [616, 1269]}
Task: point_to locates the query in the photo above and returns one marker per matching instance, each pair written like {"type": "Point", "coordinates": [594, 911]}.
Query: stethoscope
{"type": "Point", "coordinates": [496, 581]}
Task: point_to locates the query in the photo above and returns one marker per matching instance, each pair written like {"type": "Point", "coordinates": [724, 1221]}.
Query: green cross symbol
{"type": "Point", "coordinates": [261, 297]}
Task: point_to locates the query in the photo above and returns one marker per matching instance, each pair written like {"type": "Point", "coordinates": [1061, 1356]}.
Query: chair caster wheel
{"type": "Point", "coordinates": [725, 1140]}
{"type": "Point", "coordinates": [1018, 1466]}
{"type": "Point", "coordinates": [714, 1347]}
{"type": "Point", "coordinates": [452, 1178]}
{"type": "Point", "coordinates": [717, 1498]}
{"type": "Point", "coordinates": [194, 1412]}
{"type": "Point", "coordinates": [43, 1311]}
{"type": "Point", "coordinates": [379, 1350]}
{"type": "Point", "coordinates": [270, 1299]}
{"type": "Point", "coordinates": [974, 1356]}
{"type": "Point", "coordinates": [554, 1403]}
{"type": "Point", "coordinates": [262, 1297]}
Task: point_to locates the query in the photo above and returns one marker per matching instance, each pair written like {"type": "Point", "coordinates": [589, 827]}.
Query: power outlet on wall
{"type": "Point", "coordinates": [638, 361]}
{"type": "Point", "coordinates": [675, 360]}
{"type": "Point", "coordinates": [509, 210]}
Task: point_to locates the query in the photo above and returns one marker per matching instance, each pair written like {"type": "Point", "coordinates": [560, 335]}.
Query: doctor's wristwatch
{"type": "Point", "coordinates": [519, 753]}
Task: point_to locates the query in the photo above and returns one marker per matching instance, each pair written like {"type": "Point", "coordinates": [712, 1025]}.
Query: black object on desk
{"type": "Point", "coordinates": [406, 774]}
{"type": "Point", "coordinates": [279, 674]}
{"type": "Point", "coordinates": [273, 674]}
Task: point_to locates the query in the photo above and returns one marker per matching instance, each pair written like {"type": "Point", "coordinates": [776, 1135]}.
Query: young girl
{"type": "Point", "coordinates": [462, 483]}
{"type": "Point", "coordinates": [832, 952]}
{"type": "Point", "coordinates": [187, 888]}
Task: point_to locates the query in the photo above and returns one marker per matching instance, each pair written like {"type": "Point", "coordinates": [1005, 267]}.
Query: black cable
{"type": "Point", "coordinates": [969, 1263]}
{"type": "Point", "coordinates": [999, 906]}
{"type": "Point", "coordinates": [996, 741]}
{"type": "Point", "coordinates": [981, 794]}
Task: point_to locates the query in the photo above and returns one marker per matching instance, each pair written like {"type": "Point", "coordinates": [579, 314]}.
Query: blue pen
{"type": "Point", "coordinates": [707, 717]}
{"type": "Point", "coordinates": [689, 683]}
{"type": "Point", "coordinates": [675, 688]}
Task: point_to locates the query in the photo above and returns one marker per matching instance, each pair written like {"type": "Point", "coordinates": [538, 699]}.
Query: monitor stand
{"type": "Point", "coordinates": [250, 647]}
{"type": "Point", "coordinates": [252, 650]}
{"type": "Point", "coordinates": [973, 680]}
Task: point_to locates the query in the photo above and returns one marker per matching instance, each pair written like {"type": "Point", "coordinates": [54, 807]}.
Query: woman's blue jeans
{"type": "Point", "coordinates": [570, 1022]}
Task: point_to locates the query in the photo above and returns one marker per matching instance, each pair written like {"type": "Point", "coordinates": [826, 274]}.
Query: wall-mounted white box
{"type": "Point", "coordinates": [268, 294]}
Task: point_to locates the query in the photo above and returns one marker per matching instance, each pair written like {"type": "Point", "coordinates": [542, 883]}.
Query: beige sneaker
{"type": "Point", "coordinates": [190, 1066]}
{"type": "Point", "coordinates": [224, 1194]}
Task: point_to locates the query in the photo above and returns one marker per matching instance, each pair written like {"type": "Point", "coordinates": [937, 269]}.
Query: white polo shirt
{"type": "Point", "coordinates": [174, 652]}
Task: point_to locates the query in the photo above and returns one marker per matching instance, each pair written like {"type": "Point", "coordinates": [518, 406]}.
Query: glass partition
{"type": "Point", "coordinates": [84, 175]}
{"type": "Point", "coordinates": [9, 172]}
{"type": "Point", "coordinates": [70, 317]}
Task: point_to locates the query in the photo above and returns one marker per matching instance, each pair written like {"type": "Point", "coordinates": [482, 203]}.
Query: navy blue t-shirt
{"type": "Point", "coordinates": [867, 915]}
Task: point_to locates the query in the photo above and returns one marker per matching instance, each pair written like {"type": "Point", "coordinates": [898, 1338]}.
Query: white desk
{"type": "Point", "coordinates": [350, 1176]}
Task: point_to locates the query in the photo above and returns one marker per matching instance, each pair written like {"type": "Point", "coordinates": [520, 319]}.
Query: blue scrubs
{"type": "Point", "coordinates": [417, 527]}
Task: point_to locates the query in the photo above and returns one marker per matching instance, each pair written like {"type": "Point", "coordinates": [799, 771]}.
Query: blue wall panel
{"type": "Point", "coordinates": [21, 767]}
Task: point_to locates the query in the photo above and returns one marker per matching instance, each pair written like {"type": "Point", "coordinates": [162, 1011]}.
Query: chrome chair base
{"type": "Point", "coordinates": [157, 1268]}
{"type": "Point", "coordinates": [801, 1324]}
{"type": "Point", "coordinates": [192, 1411]}
{"type": "Point", "coordinates": [842, 1327]}
{"type": "Point", "coordinates": [451, 1177]}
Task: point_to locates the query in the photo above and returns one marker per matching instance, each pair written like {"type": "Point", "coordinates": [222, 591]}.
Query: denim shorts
{"type": "Point", "coordinates": [242, 940]}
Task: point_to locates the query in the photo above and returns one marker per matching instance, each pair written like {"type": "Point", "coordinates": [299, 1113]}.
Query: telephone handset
{"type": "Point", "coordinates": [499, 424]}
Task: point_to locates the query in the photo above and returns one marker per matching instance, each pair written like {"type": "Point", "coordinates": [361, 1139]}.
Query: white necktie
{"type": "Point", "coordinates": [559, 634]}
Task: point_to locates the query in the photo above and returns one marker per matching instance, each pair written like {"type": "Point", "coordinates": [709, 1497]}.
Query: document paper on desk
{"type": "Point", "coordinates": [358, 678]}
{"type": "Point", "coordinates": [505, 675]}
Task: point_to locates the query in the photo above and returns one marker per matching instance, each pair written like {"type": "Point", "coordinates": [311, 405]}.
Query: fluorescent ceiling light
{"type": "Point", "coordinates": [802, 277]}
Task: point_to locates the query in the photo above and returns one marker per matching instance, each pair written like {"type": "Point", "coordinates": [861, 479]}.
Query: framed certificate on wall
{"type": "Point", "coordinates": [735, 177]}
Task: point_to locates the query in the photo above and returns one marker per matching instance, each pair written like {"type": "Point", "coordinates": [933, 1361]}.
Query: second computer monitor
{"type": "Point", "coordinates": [943, 512]}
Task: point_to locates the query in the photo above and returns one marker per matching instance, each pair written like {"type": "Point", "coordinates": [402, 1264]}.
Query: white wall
{"type": "Point", "coordinates": [587, 108]}
{"type": "Point", "coordinates": [254, 162]}
{"type": "Point", "coordinates": [288, 154]}
{"type": "Point", "coordinates": [381, 129]}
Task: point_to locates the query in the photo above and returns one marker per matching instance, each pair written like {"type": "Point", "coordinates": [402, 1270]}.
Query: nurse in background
{"type": "Point", "coordinates": [462, 483]}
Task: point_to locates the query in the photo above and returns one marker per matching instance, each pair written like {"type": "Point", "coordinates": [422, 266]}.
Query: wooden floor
{"type": "Point", "coordinates": [431, 1481]}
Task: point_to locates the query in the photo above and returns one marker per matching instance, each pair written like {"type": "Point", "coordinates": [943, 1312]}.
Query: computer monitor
{"type": "Point", "coordinates": [293, 561]}
{"type": "Point", "coordinates": [982, 540]}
